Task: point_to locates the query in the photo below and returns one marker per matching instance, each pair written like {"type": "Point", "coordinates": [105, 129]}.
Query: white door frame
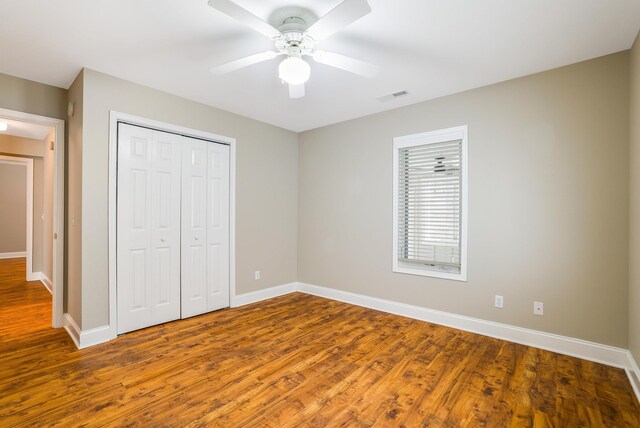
{"type": "Point", "coordinates": [114, 118]}
{"type": "Point", "coordinates": [28, 163]}
{"type": "Point", "coordinates": [58, 205]}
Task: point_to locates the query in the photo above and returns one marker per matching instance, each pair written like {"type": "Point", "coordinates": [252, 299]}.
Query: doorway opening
{"type": "Point", "coordinates": [32, 165]}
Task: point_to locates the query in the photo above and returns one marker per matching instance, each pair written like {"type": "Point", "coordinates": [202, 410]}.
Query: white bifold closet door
{"type": "Point", "coordinates": [205, 227]}
{"type": "Point", "coordinates": [173, 227]}
{"type": "Point", "coordinates": [148, 231]}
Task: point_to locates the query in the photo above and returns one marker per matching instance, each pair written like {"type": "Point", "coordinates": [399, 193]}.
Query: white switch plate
{"type": "Point", "coordinates": [538, 308]}
{"type": "Point", "coordinates": [257, 275]}
{"type": "Point", "coordinates": [499, 302]}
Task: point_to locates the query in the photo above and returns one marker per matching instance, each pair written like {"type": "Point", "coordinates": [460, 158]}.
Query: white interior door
{"type": "Point", "coordinates": [205, 227]}
{"type": "Point", "coordinates": [194, 227]}
{"type": "Point", "coordinates": [217, 227]}
{"type": "Point", "coordinates": [148, 232]}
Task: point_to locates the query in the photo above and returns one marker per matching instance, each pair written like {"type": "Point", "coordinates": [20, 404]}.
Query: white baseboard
{"type": "Point", "coordinates": [72, 328]}
{"type": "Point", "coordinates": [264, 294]}
{"type": "Point", "coordinates": [15, 255]}
{"type": "Point", "coordinates": [633, 372]}
{"type": "Point", "coordinates": [591, 351]}
{"type": "Point", "coordinates": [47, 283]}
{"type": "Point", "coordinates": [95, 336]}
{"type": "Point", "coordinates": [579, 348]}
{"type": "Point", "coordinates": [35, 276]}
{"type": "Point", "coordinates": [86, 338]}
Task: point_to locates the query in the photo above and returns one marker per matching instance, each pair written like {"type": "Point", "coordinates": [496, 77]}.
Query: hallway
{"type": "Point", "coordinates": [20, 333]}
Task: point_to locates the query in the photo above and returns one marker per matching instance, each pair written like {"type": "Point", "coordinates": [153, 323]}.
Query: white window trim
{"type": "Point", "coordinates": [456, 133]}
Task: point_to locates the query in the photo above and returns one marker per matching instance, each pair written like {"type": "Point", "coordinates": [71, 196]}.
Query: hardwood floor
{"type": "Point", "coordinates": [293, 361]}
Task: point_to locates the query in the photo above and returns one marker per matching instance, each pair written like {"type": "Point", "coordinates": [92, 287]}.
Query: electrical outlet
{"type": "Point", "coordinates": [499, 302]}
{"type": "Point", "coordinates": [257, 275]}
{"type": "Point", "coordinates": [538, 308]}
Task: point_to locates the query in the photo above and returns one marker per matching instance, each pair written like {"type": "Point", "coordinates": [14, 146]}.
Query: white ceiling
{"type": "Point", "coordinates": [429, 47]}
{"type": "Point", "coordinates": [24, 129]}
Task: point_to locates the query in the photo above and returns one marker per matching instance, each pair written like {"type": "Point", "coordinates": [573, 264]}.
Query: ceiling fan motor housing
{"type": "Point", "coordinates": [293, 24]}
{"type": "Point", "coordinates": [293, 40]}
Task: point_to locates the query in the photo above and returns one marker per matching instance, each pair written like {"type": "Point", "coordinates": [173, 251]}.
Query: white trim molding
{"type": "Point", "coordinates": [36, 276]}
{"type": "Point", "coordinates": [578, 348]}
{"type": "Point", "coordinates": [264, 294]}
{"type": "Point", "coordinates": [84, 339]}
{"type": "Point", "coordinates": [58, 205]}
{"type": "Point", "coordinates": [14, 255]}
{"type": "Point", "coordinates": [95, 336]}
{"type": "Point", "coordinates": [591, 351]}
{"type": "Point", "coordinates": [633, 372]}
{"type": "Point", "coordinates": [72, 328]}
{"type": "Point", "coordinates": [46, 282]}
{"type": "Point", "coordinates": [440, 136]}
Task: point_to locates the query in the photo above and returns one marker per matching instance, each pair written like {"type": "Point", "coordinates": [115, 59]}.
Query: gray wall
{"type": "Point", "coordinates": [547, 220]}
{"type": "Point", "coordinates": [36, 98]}
{"type": "Point", "coordinates": [634, 205]}
{"type": "Point", "coordinates": [33, 149]}
{"type": "Point", "coordinates": [20, 146]}
{"type": "Point", "coordinates": [266, 186]}
{"type": "Point", "coordinates": [73, 236]}
{"type": "Point", "coordinates": [13, 215]}
{"type": "Point", "coordinates": [32, 97]}
{"type": "Point", "coordinates": [548, 209]}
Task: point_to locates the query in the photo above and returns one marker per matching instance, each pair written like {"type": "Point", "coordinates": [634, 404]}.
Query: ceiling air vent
{"type": "Point", "coordinates": [393, 96]}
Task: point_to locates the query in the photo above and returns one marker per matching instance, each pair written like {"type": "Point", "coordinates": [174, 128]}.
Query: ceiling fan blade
{"type": "Point", "coordinates": [346, 63]}
{"type": "Point", "coordinates": [342, 15]}
{"type": "Point", "coordinates": [244, 62]}
{"type": "Point", "coordinates": [241, 14]}
{"type": "Point", "coordinates": [296, 91]}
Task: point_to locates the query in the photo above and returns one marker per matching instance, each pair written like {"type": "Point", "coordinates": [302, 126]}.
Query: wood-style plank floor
{"type": "Point", "coordinates": [292, 361]}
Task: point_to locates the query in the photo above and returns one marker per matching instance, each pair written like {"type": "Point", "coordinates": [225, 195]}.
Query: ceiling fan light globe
{"type": "Point", "coordinates": [294, 70]}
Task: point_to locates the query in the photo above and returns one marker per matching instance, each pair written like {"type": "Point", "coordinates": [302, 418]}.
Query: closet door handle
{"type": "Point", "coordinates": [197, 237]}
{"type": "Point", "coordinates": [161, 239]}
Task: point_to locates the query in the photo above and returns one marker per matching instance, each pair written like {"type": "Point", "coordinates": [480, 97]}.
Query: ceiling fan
{"type": "Point", "coordinates": [295, 39]}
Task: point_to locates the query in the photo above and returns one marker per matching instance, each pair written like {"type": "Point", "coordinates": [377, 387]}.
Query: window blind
{"type": "Point", "coordinates": [430, 205]}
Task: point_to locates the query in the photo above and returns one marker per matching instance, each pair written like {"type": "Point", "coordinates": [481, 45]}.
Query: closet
{"type": "Point", "coordinates": [172, 227]}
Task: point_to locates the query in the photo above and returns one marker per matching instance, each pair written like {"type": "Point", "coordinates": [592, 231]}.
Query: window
{"type": "Point", "coordinates": [430, 204]}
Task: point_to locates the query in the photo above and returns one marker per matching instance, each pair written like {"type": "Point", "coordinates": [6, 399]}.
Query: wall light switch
{"type": "Point", "coordinates": [257, 275]}
{"type": "Point", "coordinates": [499, 302]}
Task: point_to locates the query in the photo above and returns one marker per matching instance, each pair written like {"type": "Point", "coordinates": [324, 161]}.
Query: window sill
{"type": "Point", "coordinates": [462, 277]}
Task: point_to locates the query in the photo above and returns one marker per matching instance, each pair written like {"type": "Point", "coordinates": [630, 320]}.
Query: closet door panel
{"type": "Point", "coordinates": [165, 217]}
{"type": "Point", "coordinates": [218, 227]}
{"type": "Point", "coordinates": [148, 228]}
{"type": "Point", "coordinates": [194, 227]}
